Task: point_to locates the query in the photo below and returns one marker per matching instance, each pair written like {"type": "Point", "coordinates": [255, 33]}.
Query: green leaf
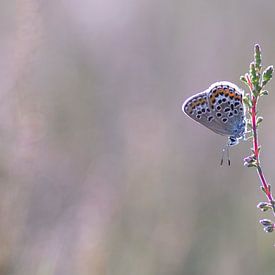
{"type": "Point", "coordinates": [247, 101]}
{"type": "Point", "coordinates": [252, 71]}
{"type": "Point", "coordinates": [265, 92]}
{"type": "Point", "coordinates": [259, 120]}
{"type": "Point", "coordinates": [257, 57]}
{"type": "Point", "coordinates": [251, 164]}
{"type": "Point", "coordinates": [255, 79]}
{"type": "Point", "coordinates": [267, 75]}
{"type": "Point", "coordinates": [264, 206]}
{"type": "Point", "coordinates": [243, 79]}
{"type": "Point", "coordinates": [249, 124]}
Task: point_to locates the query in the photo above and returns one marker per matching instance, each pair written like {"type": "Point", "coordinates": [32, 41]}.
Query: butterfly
{"type": "Point", "coordinates": [219, 108]}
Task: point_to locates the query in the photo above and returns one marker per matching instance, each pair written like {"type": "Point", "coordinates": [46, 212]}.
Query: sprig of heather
{"type": "Point", "coordinates": [256, 80]}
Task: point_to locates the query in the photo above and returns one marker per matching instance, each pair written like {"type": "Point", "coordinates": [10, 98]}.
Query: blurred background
{"type": "Point", "coordinates": [101, 172]}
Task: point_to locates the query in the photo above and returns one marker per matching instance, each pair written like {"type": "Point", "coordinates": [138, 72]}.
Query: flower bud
{"type": "Point", "coordinates": [264, 206]}
{"type": "Point", "coordinates": [266, 222]}
{"type": "Point", "coordinates": [269, 228]}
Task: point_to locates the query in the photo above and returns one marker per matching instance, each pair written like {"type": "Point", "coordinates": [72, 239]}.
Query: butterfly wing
{"type": "Point", "coordinates": [197, 107]}
{"type": "Point", "coordinates": [225, 102]}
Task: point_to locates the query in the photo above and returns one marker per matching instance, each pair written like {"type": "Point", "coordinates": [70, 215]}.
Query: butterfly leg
{"type": "Point", "coordinates": [225, 152]}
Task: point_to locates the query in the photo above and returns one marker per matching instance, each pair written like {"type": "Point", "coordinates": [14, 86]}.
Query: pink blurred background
{"type": "Point", "coordinates": [101, 172]}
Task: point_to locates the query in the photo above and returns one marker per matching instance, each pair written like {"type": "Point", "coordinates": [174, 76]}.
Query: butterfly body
{"type": "Point", "coordinates": [219, 108]}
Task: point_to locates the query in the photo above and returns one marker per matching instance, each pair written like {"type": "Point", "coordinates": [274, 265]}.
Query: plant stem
{"type": "Point", "coordinates": [264, 184]}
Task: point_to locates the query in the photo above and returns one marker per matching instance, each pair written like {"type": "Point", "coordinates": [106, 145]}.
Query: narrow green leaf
{"type": "Point", "coordinates": [244, 80]}
{"type": "Point", "coordinates": [259, 149]}
{"type": "Point", "coordinates": [249, 125]}
{"type": "Point", "coordinates": [255, 79]}
{"type": "Point", "coordinates": [257, 57]}
{"type": "Point", "coordinates": [265, 92]}
{"type": "Point", "coordinates": [247, 101]}
{"type": "Point", "coordinates": [259, 120]}
{"type": "Point", "coordinates": [267, 75]}
{"type": "Point", "coordinates": [264, 206]}
{"type": "Point", "coordinates": [252, 71]}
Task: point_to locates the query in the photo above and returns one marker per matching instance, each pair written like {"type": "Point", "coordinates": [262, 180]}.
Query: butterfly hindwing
{"type": "Point", "coordinates": [225, 101]}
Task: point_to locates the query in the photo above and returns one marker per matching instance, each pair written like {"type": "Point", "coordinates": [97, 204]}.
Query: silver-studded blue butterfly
{"type": "Point", "coordinates": [220, 108]}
